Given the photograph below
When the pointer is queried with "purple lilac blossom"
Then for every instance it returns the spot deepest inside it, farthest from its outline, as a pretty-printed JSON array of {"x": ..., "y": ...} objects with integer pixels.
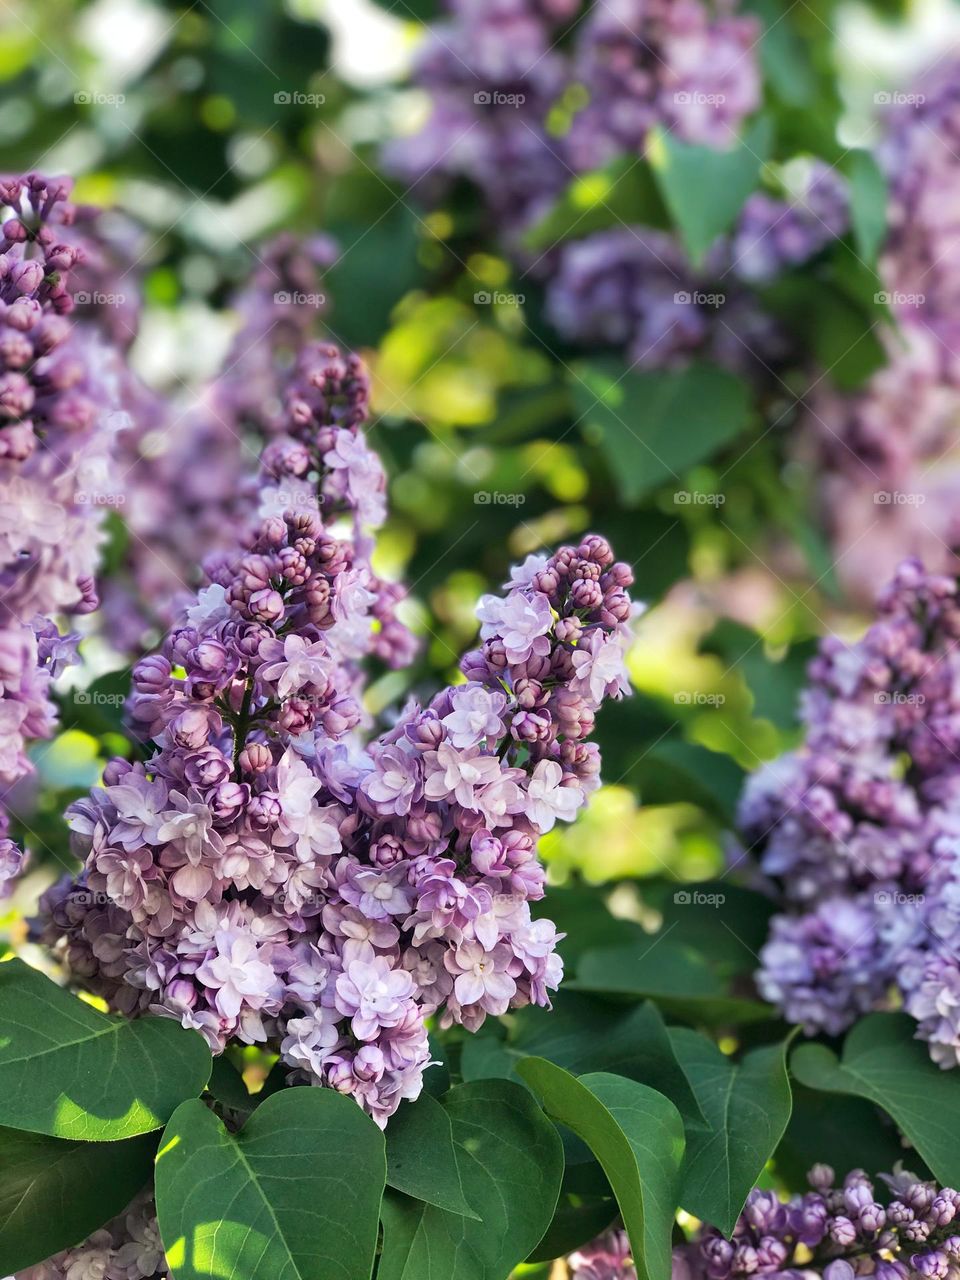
[
  {"x": 128, "y": 1248},
  {"x": 919, "y": 155},
  {"x": 672, "y": 63},
  {"x": 264, "y": 876},
  {"x": 830, "y": 1231},
  {"x": 857, "y": 828},
  {"x": 190, "y": 471},
  {"x": 773, "y": 233},
  {"x": 61, "y": 406},
  {"x": 493, "y": 73},
  {"x": 889, "y": 454}
]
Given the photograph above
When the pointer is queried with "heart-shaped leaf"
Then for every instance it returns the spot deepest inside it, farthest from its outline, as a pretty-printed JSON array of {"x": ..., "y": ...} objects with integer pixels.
[
  {"x": 580, "y": 1035},
  {"x": 882, "y": 1061},
  {"x": 294, "y": 1196},
  {"x": 637, "y": 1136},
  {"x": 54, "y": 1193},
  {"x": 71, "y": 1072},
  {"x": 653, "y": 424},
  {"x": 705, "y": 188},
  {"x": 747, "y": 1106},
  {"x": 422, "y": 1156},
  {"x": 511, "y": 1163}
]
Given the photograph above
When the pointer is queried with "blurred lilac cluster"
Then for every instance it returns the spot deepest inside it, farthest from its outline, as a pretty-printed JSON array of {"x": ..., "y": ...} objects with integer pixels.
[
  {"x": 190, "y": 470},
  {"x": 267, "y": 877},
  {"x": 128, "y": 1248},
  {"x": 62, "y": 375},
  {"x": 495, "y": 73},
  {"x": 523, "y": 99},
  {"x": 837, "y": 1232},
  {"x": 857, "y": 828},
  {"x": 891, "y": 452}
]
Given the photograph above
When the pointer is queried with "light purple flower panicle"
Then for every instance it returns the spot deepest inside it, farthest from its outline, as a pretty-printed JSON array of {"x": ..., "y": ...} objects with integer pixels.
[
  {"x": 264, "y": 876},
  {"x": 858, "y": 828}
]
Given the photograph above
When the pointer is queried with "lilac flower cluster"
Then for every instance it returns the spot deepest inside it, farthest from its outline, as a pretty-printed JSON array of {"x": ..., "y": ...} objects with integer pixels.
[
  {"x": 495, "y": 76},
  {"x": 890, "y": 453},
  {"x": 492, "y": 74},
  {"x": 674, "y": 63},
  {"x": 919, "y": 155},
  {"x": 128, "y": 1248},
  {"x": 834, "y": 1232},
  {"x": 839, "y": 1232},
  {"x": 857, "y": 828},
  {"x": 773, "y": 233},
  {"x": 518, "y": 112},
  {"x": 190, "y": 471},
  {"x": 634, "y": 287},
  {"x": 60, "y": 409},
  {"x": 266, "y": 877}
]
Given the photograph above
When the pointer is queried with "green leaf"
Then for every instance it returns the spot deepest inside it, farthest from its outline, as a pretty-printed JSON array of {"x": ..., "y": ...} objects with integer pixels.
[
  {"x": 71, "y": 1072},
  {"x": 511, "y": 1163},
  {"x": 683, "y": 981},
  {"x": 637, "y": 1136},
  {"x": 422, "y": 1156},
  {"x": 747, "y": 1105},
  {"x": 675, "y": 770},
  {"x": 581, "y": 1035},
  {"x": 703, "y": 188},
  {"x": 295, "y": 1195},
  {"x": 868, "y": 204},
  {"x": 844, "y": 1132},
  {"x": 774, "y": 682},
  {"x": 574, "y": 1225},
  {"x": 54, "y": 1193},
  {"x": 653, "y": 424},
  {"x": 882, "y": 1061},
  {"x": 227, "y": 1085},
  {"x": 622, "y": 194}
]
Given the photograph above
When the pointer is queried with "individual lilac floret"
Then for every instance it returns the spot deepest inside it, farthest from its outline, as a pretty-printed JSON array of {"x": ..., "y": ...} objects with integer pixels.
[
  {"x": 856, "y": 829},
  {"x": 263, "y": 876}
]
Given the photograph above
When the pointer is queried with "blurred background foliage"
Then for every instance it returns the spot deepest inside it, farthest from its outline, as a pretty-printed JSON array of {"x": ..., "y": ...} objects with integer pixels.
[{"x": 216, "y": 125}]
